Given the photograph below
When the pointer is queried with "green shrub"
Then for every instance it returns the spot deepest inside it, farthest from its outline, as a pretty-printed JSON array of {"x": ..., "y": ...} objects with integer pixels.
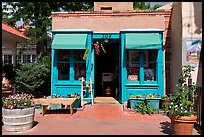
[
  {"x": 33, "y": 77},
  {"x": 144, "y": 108}
]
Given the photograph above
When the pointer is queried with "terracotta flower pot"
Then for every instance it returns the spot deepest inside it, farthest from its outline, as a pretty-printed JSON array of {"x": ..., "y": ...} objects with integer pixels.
[{"x": 183, "y": 125}]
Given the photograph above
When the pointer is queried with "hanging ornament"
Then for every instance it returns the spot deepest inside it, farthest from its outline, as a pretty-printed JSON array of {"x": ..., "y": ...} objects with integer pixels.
[
  {"x": 97, "y": 48},
  {"x": 103, "y": 48}
]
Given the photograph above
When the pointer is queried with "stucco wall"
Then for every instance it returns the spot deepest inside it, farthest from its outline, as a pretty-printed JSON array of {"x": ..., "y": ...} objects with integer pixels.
[
  {"x": 116, "y": 6},
  {"x": 109, "y": 24},
  {"x": 186, "y": 23},
  {"x": 176, "y": 47}
]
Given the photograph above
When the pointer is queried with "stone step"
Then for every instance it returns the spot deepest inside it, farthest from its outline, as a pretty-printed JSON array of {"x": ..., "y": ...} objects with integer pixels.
[{"x": 105, "y": 100}]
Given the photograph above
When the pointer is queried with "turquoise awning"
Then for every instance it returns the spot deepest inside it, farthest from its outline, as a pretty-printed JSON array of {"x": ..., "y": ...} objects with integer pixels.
[
  {"x": 69, "y": 41},
  {"x": 142, "y": 41}
]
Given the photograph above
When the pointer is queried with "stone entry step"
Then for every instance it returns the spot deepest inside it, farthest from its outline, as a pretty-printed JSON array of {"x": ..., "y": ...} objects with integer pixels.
[{"x": 105, "y": 100}]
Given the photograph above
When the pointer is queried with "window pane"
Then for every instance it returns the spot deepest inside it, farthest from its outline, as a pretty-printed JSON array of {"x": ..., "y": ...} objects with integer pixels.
[
  {"x": 63, "y": 55},
  {"x": 150, "y": 55},
  {"x": 7, "y": 59},
  {"x": 26, "y": 58},
  {"x": 63, "y": 71},
  {"x": 80, "y": 70},
  {"x": 133, "y": 65},
  {"x": 78, "y": 55},
  {"x": 133, "y": 55},
  {"x": 150, "y": 72},
  {"x": 18, "y": 58},
  {"x": 33, "y": 58},
  {"x": 132, "y": 72}
]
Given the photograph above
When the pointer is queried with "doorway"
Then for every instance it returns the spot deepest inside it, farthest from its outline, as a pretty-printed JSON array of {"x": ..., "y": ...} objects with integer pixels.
[{"x": 106, "y": 70}]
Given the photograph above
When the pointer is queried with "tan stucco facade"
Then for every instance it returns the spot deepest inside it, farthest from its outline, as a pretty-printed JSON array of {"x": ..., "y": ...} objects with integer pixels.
[
  {"x": 117, "y": 20},
  {"x": 108, "y": 24},
  {"x": 186, "y": 23}
]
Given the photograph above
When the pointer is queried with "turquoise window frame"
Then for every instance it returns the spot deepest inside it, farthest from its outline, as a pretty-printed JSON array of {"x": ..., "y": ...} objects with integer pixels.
[
  {"x": 71, "y": 67},
  {"x": 141, "y": 80}
]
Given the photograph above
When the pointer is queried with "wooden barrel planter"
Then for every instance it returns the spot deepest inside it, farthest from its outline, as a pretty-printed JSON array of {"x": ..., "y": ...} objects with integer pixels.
[{"x": 18, "y": 119}]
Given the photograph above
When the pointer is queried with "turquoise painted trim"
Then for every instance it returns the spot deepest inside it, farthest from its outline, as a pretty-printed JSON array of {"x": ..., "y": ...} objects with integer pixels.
[
  {"x": 103, "y": 35},
  {"x": 142, "y": 41},
  {"x": 71, "y": 71},
  {"x": 144, "y": 87},
  {"x": 141, "y": 66},
  {"x": 123, "y": 69},
  {"x": 69, "y": 41},
  {"x": 64, "y": 87},
  {"x": 141, "y": 85}
]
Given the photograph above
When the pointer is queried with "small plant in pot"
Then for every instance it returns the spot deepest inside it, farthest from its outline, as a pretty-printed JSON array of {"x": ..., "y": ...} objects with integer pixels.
[
  {"x": 165, "y": 99},
  {"x": 181, "y": 109},
  {"x": 153, "y": 100},
  {"x": 134, "y": 99}
]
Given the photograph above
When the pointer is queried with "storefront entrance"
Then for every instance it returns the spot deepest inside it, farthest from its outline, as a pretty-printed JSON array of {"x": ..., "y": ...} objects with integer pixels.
[{"x": 106, "y": 69}]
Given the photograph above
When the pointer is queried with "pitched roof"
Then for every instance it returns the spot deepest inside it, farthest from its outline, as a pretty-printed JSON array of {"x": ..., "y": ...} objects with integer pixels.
[{"x": 10, "y": 29}]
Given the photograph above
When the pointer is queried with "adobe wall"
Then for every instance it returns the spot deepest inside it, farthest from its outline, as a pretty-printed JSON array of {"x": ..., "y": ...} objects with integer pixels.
[
  {"x": 108, "y": 24},
  {"x": 114, "y": 22}
]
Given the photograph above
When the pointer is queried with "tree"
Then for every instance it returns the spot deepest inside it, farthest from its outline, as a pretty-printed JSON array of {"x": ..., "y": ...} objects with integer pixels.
[
  {"x": 144, "y": 6},
  {"x": 38, "y": 15},
  {"x": 141, "y": 6},
  {"x": 34, "y": 77}
]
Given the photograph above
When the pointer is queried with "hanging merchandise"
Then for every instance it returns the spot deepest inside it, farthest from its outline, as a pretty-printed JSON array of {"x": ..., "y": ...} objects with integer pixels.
[
  {"x": 97, "y": 48},
  {"x": 103, "y": 48}
]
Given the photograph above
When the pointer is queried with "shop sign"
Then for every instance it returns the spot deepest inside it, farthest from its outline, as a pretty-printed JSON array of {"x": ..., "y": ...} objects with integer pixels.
[{"x": 133, "y": 77}]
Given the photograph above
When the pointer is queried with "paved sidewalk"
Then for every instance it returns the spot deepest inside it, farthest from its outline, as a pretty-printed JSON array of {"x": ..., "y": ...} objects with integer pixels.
[{"x": 99, "y": 119}]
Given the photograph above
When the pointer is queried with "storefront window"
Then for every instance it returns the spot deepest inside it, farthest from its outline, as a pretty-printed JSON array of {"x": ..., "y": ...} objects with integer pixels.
[
  {"x": 79, "y": 64},
  {"x": 150, "y": 58},
  {"x": 133, "y": 65},
  {"x": 76, "y": 64},
  {"x": 63, "y": 64},
  {"x": 63, "y": 71},
  {"x": 137, "y": 59}
]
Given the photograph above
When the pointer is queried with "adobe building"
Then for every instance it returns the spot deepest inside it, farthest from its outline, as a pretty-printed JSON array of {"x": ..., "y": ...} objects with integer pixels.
[
  {"x": 125, "y": 50},
  {"x": 186, "y": 40}
]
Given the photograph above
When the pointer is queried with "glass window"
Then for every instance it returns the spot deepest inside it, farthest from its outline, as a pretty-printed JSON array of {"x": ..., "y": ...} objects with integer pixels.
[
  {"x": 150, "y": 72},
  {"x": 148, "y": 60},
  {"x": 63, "y": 55},
  {"x": 63, "y": 64},
  {"x": 79, "y": 64},
  {"x": 26, "y": 58},
  {"x": 63, "y": 71},
  {"x": 18, "y": 59},
  {"x": 7, "y": 59},
  {"x": 76, "y": 65},
  {"x": 33, "y": 58},
  {"x": 133, "y": 65}
]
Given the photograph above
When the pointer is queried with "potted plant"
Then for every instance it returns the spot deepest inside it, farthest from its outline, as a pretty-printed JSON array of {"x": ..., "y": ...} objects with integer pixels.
[
  {"x": 181, "y": 109},
  {"x": 134, "y": 99},
  {"x": 18, "y": 112},
  {"x": 77, "y": 103},
  {"x": 153, "y": 100},
  {"x": 164, "y": 101}
]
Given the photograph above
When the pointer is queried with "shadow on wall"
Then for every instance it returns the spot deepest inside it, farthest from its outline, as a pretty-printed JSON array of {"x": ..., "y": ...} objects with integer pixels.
[{"x": 198, "y": 16}]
